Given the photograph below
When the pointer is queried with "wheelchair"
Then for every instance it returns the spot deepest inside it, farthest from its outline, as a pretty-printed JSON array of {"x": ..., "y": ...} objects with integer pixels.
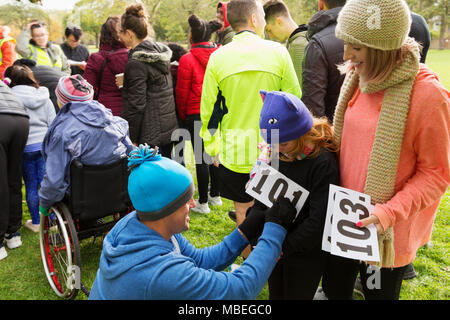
[{"x": 96, "y": 192}]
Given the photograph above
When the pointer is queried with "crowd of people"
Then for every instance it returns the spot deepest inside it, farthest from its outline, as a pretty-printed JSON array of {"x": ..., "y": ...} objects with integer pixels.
[{"x": 345, "y": 99}]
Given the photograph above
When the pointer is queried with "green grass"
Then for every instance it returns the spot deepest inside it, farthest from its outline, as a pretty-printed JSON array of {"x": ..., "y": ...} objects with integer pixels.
[
  {"x": 439, "y": 62},
  {"x": 22, "y": 276}
]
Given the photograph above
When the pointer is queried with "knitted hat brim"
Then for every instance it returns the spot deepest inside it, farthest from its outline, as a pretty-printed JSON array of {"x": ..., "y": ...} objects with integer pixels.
[
  {"x": 170, "y": 208},
  {"x": 380, "y": 45}
]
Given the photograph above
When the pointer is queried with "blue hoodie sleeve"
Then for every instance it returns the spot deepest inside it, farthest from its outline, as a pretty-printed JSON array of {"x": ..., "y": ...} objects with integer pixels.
[
  {"x": 183, "y": 279},
  {"x": 54, "y": 184},
  {"x": 216, "y": 257}
]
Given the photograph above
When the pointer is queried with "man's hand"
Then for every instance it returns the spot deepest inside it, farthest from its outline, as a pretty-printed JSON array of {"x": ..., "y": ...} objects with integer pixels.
[
  {"x": 253, "y": 225},
  {"x": 215, "y": 161},
  {"x": 282, "y": 212}
]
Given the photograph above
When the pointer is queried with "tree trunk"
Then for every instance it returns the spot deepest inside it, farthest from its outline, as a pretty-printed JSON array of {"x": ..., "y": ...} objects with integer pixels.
[{"x": 442, "y": 31}]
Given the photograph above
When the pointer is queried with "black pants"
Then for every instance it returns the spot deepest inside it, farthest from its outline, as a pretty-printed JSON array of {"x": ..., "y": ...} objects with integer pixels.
[
  {"x": 339, "y": 277},
  {"x": 13, "y": 138},
  {"x": 297, "y": 276},
  {"x": 204, "y": 169},
  {"x": 383, "y": 286}
]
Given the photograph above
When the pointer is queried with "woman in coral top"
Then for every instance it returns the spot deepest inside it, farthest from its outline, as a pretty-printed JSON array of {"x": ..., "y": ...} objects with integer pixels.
[
  {"x": 191, "y": 71},
  {"x": 392, "y": 121}
]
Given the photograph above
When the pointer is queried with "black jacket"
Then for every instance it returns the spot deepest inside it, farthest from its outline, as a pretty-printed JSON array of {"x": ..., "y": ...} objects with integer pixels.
[
  {"x": 80, "y": 53},
  {"x": 315, "y": 175},
  {"x": 322, "y": 80},
  {"x": 420, "y": 32},
  {"x": 148, "y": 102}
]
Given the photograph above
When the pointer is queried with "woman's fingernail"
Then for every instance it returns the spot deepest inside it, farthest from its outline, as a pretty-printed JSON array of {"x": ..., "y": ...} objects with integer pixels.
[{"x": 359, "y": 224}]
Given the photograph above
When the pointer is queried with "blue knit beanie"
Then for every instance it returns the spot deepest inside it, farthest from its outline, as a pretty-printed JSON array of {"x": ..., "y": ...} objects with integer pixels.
[
  {"x": 286, "y": 113},
  {"x": 157, "y": 186}
]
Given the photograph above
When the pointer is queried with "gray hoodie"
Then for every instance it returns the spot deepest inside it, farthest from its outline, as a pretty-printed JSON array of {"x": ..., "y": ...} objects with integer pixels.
[{"x": 40, "y": 109}]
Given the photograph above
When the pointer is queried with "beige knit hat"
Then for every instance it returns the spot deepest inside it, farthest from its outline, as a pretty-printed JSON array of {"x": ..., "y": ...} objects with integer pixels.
[{"x": 379, "y": 24}]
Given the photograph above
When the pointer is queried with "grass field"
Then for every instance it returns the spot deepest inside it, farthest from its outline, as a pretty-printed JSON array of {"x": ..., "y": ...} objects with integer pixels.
[{"x": 22, "y": 275}]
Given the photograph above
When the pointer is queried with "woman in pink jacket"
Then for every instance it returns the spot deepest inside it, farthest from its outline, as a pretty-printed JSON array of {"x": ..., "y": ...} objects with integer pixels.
[
  {"x": 191, "y": 71},
  {"x": 103, "y": 66},
  {"x": 392, "y": 122}
]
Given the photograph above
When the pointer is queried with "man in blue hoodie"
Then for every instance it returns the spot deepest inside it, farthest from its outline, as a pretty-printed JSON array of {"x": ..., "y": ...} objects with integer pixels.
[
  {"x": 145, "y": 256},
  {"x": 83, "y": 129}
]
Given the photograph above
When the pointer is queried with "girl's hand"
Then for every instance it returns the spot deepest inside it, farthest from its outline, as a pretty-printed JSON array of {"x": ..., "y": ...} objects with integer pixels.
[{"x": 373, "y": 219}]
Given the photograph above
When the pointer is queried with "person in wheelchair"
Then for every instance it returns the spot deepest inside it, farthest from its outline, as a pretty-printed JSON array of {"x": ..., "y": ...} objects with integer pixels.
[
  {"x": 83, "y": 129},
  {"x": 145, "y": 256}
]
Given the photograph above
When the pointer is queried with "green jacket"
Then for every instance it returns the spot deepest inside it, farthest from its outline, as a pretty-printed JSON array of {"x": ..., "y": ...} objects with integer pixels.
[
  {"x": 231, "y": 101},
  {"x": 296, "y": 46},
  {"x": 225, "y": 37}
]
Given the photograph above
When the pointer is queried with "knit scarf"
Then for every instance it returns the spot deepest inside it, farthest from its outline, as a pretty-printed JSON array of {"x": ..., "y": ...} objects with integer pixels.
[{"x": 385, "y": 154}]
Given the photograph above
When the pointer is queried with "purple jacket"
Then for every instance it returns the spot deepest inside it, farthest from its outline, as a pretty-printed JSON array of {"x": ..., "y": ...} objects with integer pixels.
[
  {"x": 86, "y": 131},
  {"x": 110, "y": 95}
]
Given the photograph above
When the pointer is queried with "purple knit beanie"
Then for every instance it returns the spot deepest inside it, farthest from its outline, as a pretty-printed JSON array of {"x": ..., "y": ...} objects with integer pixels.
[
  {"x": 286, "y": 113},
  {"x": 73, "y": 89}
]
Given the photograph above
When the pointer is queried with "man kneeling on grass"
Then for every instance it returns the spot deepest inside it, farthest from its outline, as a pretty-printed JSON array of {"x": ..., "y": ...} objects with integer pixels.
[{"x": 145, "y": 256}]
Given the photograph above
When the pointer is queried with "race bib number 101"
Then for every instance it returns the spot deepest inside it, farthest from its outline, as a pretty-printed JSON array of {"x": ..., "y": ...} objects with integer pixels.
[{"x": 268, "y": 185}]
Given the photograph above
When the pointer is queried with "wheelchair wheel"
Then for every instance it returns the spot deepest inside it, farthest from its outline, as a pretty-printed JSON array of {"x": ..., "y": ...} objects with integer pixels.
[{"x": 60, "y": 252}]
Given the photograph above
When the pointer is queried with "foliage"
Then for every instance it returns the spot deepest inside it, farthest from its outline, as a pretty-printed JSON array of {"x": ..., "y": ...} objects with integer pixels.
[
  {"x": 433, "y": 8},
  {"x": 19, "y": 15},
  {"x": 90, "y": 15},
  {"x": 169, "y": 18}
]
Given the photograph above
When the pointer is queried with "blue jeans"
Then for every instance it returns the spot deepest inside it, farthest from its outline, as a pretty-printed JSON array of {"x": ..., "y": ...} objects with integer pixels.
[{"x": 33, "y": 169}]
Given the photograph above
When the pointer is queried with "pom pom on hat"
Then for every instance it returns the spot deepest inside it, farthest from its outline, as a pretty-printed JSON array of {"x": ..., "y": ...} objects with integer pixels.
[
  {"x": 286, "y": 113},
  {"x": 379, "y": 24},
  {"x": 73, "y": 89},
  {"x": 157, "y": 186}
]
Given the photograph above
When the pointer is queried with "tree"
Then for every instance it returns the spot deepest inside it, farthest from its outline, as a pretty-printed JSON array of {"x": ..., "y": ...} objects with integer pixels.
[
  {"x": 19, "y": 15},
  {"x": 32, "y": 1},
  {"x": 430, "y": 9},
  {"x": 91, "y": 15}
]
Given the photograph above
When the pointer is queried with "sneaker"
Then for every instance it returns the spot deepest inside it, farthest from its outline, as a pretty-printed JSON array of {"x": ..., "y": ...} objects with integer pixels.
[
  {"x": 428, "y": 245},
  {"x": 3, "y": 253},
  {"x": 232, "y": 215},
  {"x": 13, "y": 240},
  {"x": 409, "y": 272},
  {"x": 320, "y": 294},
  {"x": 214, "y": 201},
  {"x": 201, "y": 207},
  {"x": 33, "y": 227}
]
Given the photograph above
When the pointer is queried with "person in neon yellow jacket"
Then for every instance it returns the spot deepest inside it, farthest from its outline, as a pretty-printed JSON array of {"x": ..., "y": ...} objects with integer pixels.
[
  {"x": 231, "y": 103},
  {"x": 39, "y": 49}
]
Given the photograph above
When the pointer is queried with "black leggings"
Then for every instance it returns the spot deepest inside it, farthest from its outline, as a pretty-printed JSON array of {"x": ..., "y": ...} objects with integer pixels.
[
  {"x": 385, "y": 285},
  {"x": 204, "y": 170},
  {"x": 297, "y": 277},
  {"x": 13, "y": 138},
  {"x": 340, "y": 276}
]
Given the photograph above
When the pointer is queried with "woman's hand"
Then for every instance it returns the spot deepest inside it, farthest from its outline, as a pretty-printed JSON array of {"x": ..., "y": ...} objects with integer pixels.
[{"x": 373, "y": 219}]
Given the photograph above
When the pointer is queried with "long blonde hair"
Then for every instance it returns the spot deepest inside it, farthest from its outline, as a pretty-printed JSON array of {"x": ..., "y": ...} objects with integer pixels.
[
  {"x": 380, "y": 63},
  {"x": 321, "y": 136}
]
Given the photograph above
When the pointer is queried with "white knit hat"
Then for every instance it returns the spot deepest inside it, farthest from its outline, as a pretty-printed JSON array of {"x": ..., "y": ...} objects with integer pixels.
[{"x": 379, "y": 24}]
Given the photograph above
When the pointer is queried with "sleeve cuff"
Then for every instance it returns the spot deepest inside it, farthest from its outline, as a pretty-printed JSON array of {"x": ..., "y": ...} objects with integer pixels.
[{"x": 383, "y": 216}]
